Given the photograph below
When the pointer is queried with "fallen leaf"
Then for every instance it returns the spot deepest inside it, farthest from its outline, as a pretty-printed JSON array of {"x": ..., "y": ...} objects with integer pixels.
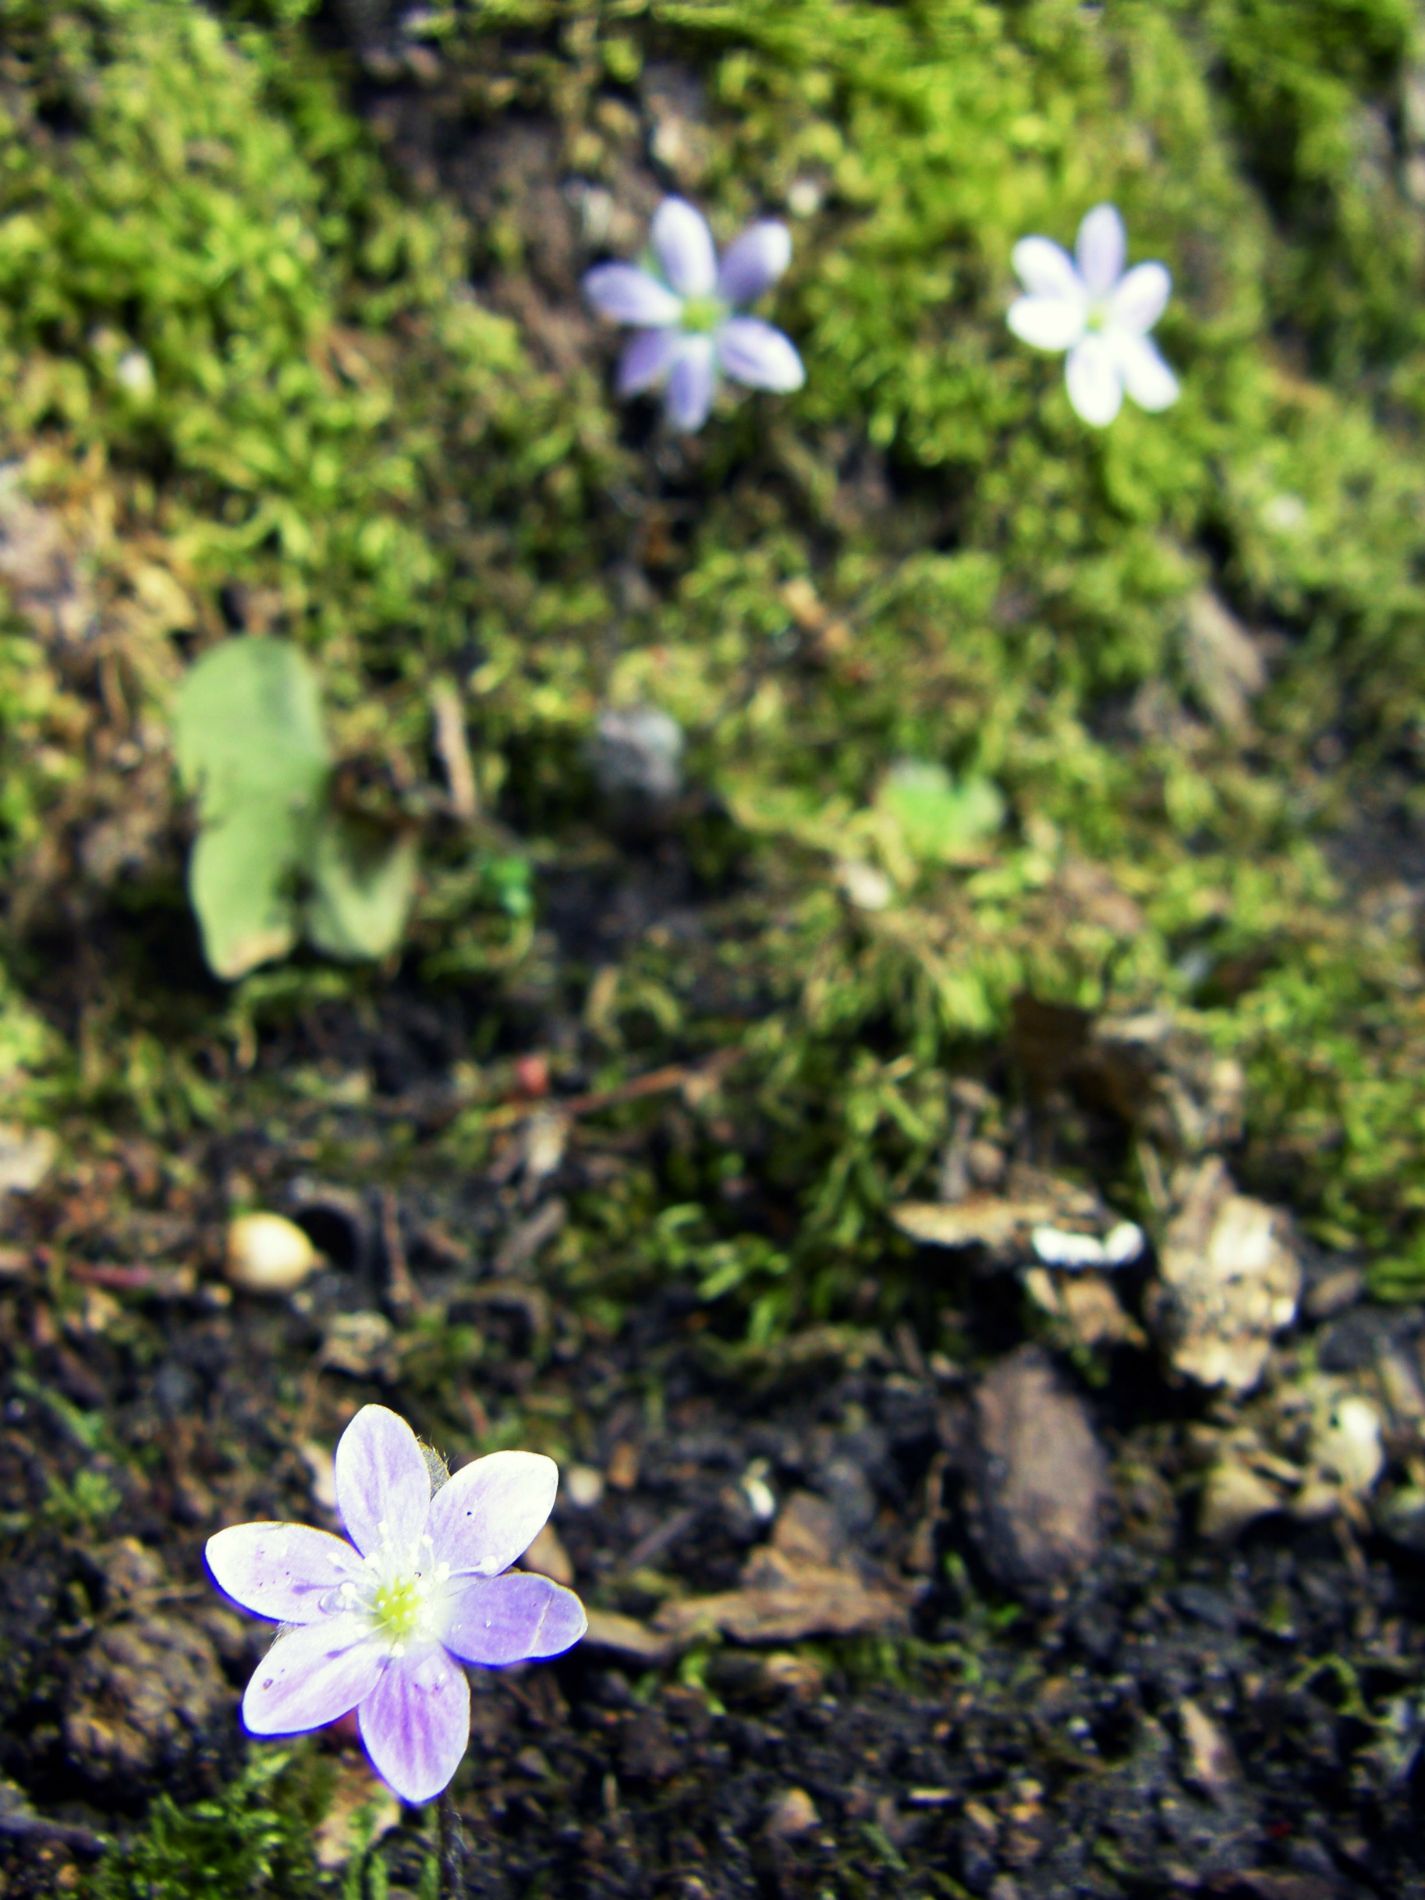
[{"x": 782, "y": 1600}]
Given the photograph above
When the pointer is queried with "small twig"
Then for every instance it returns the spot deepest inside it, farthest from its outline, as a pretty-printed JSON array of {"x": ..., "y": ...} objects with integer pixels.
[
  {"x": 450, "y": 1836},
  {"x": 168, "y": 1283},
  {"x": 453, "y": 751},
  {"x": 79, "y": 1840},
  {"x": 401, "y": 1289},
  {"x": 695, "y": 1077}
]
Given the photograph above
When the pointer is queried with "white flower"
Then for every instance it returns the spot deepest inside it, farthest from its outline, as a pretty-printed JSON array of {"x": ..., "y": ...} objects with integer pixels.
[
  {"x": 1101, "y": 315},
  {"x": 684, "y": 306}
]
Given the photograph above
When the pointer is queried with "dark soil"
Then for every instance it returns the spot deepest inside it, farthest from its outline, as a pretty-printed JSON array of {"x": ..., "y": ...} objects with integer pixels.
[{"x": 1170, "y": 1718}]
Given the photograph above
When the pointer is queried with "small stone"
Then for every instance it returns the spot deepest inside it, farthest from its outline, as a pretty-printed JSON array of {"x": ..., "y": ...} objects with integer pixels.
[
  {"x": 1348, "y": 1447},
  {"x": 637, "y": 756},
  {"x": 269, "y": 1254},
  {"x": 1040, "y": 1479},
  {"x": 583, "y": 1486},
  {"x": 1233, "y": 1497},
  {"x": 792, "y": 1813}
]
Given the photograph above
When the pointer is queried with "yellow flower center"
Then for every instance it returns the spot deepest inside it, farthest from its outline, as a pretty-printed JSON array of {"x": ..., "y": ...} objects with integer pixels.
[
  {"x": 702, "y": 315},
  {"x": 397, "y": 1606}
]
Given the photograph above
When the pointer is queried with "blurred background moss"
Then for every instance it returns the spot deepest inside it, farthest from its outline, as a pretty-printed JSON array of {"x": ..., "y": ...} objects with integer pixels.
[{"x": 291, "y": 343}]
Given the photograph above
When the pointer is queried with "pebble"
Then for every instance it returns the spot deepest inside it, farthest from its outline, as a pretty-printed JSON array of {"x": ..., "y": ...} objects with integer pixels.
[
  {"x": 792, "y": 1813},
  {"x": 268, "y": 1254},
  {"x": 637, "y": 755},
  {"x": 583, "y": 1486},
  {"x": 1039, "y": 1477}
]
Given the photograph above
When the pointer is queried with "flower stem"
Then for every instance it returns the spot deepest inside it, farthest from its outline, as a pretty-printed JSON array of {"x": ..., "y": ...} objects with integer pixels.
[{"x": 450, "y": 1839}]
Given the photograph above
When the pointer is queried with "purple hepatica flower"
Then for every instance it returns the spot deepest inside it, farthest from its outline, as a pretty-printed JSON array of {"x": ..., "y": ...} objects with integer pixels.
[
  {"x": 384, "y": 1627},
  {"x": 684, "y": 305},
  {"x": 1089, "y": 306}
]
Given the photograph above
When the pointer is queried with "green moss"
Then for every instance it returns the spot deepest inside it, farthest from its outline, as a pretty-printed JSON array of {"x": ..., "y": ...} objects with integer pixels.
[
  {"x": 249, "y": 375},
  {"x": 251, "y": 1842}
]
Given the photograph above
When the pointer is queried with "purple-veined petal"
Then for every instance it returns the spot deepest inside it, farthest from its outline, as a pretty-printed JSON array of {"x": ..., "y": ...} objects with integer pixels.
[
  {"x": 1146, "y": 377},
  {"x": 754, "y": 261},
  {"x": 313, "y": 1675},
  {"x": 515, "y": 1618},
  {"x": 683, "y": 245},
  {"x": 491, "y": 1511},
  {"x": 416, "y": 1723},
  {"x": 1140, "y": 298},
  {"x": 692, "y": 380},
  {"x": 645, "y": 360},
  {"x": 625, "y": 294},
  {"x": 1048, "y": 323},
  {"x": 382, "y": 1484},
  {"x": 280, "y": 1570},
  {"x": 1046, "y": 269},
  {"x": 1094, "y": 384},
  {"x": 1100, "y": 249},
  {"x": 754, "y": 353}
]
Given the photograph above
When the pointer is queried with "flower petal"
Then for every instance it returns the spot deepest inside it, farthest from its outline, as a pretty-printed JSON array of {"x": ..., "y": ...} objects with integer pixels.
[
  {"x": 691, "y": 383},
  {"x": 754, "y": 261},
  {"x": 515, "y": 1618},
  {"x": 1140, "y": 298},
  {"x": 280, "y": 1570},
  {"x": 416, "y": 1723},
  {"x": 1146, "y": 377},
  {"x": 683, "y": 246},
  {"x": 645, "y": 360},
  {"x": 754, "y": 353},
  {"x": 1049, "y": 323},
  {"x": 382, "y": 1484},
  {"x": 491, "y": 1511},
  {"x": 625, "y": 294},
  {"x": 1095, "y": 386},
  {"x": 312, "y": 1675},
  {"x": 1046, "y": 269},
  {"x": 1100, "y": 249}
]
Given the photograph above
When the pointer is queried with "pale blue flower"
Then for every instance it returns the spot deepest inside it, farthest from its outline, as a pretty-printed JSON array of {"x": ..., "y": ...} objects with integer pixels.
[
  {"x": 1101, "y": 315},
  {"x": 384, "y": 1623},
  {"x": 685, "y": 306}
]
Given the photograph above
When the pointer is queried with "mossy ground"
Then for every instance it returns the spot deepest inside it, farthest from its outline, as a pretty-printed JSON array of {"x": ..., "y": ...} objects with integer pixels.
[{"x": 291, "y": 342}]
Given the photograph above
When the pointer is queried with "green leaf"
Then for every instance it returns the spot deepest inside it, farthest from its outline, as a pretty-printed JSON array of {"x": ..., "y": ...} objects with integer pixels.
[
  {"x": 248, "y": 724},
  {"x": 242, "y": 879},
  {"x": 362, "y": 885},
  {"x": 939, "y": 819},
  {"x": 250, "y": 746}
]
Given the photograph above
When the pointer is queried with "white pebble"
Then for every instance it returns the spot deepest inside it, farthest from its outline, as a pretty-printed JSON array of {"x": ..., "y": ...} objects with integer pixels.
[{"x": 267, "y": 1254}]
